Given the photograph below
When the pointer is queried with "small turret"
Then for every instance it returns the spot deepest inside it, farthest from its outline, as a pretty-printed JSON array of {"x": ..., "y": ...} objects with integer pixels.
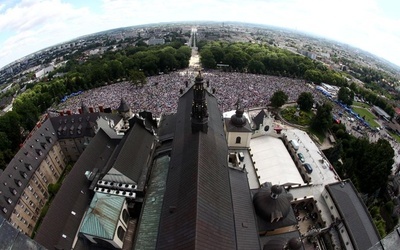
[{"x": 199, "y": 113}]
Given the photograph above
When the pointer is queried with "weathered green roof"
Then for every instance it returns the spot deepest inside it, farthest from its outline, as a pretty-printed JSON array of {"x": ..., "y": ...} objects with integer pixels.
[
  {"x": 148, "y": 225},
  {"x": 102, "y": 216}
]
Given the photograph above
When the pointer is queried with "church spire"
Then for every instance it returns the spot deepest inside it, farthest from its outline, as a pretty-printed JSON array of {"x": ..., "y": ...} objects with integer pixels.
[
  {"x": 84, "y": 108},
  {"x": 199, "y": 106}
]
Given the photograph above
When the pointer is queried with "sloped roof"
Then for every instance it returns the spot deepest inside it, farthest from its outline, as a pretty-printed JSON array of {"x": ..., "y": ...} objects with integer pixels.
[
  {"x": 79, "y": 125},
  {"x": 12, "y": 238},
  {"x": 123, "y": 107},
  {"x": 135, "y": 154},
  {"x": 74, "y": 195},
  {"x": 353, "y": 211},
  {"x": 245, "y": 221},
  {"x": 21, "y": 168},
  {"x": 102, "y": 217},
  {"x": 197, "y": 211},
  {"x": 259, "y": 119}
]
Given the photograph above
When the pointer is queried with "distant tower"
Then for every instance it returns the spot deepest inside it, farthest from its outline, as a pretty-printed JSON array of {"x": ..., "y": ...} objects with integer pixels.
[
  {"x": 237, "y": 129},
  {"x": 124, "y": 109},
  {"x": 199, "y": 113},
  {"x": 84, "y": 108}
]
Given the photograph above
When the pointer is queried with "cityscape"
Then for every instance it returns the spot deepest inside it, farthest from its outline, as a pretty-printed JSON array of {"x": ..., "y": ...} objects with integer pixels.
[{"x": 200, "y": 135}]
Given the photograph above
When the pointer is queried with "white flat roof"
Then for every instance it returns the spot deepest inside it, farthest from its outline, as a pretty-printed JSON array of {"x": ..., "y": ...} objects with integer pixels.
[{"x": 273, "y": 161}]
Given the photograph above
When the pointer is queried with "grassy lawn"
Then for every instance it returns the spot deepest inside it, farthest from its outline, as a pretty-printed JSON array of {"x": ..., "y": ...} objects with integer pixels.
[
  {"x": 361, "y": 104},
  {"x": 369, "y": 117},
  {"x": 303, "y": 118}
]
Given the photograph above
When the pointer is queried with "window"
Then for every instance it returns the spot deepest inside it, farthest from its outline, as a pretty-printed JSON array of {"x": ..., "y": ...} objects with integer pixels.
[
  {"x": 121, "y": 233},
  {"x": 238, "y": 139},
  {"x": 125, "y": 216}
]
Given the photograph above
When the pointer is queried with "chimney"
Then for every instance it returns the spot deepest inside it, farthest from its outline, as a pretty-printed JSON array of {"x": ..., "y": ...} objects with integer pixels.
[
  {"x": 101, "y": 108},
  {"x": 69, "y": 112},
  {"x": 91, "y": 110}
]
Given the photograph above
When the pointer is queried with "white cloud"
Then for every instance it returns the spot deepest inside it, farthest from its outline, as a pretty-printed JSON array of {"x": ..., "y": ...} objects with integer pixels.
[{"x": 46, "y": 22}]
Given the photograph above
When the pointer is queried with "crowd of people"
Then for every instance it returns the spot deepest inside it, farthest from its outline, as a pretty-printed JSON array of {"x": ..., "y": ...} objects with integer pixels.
[{"x": 160, "y": 94}]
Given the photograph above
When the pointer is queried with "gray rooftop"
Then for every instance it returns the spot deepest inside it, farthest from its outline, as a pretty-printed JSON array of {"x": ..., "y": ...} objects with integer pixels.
[
  {"x": 13, "y": 239},
  {"x": 197, "y": 212},
  {"x": 356, "y": 217},
  {"x": 21, "y": 168},
  {"x": 135, "y": 155},
  {"x": 245, "y": 220},
  {"x": 74, "y": 195}
]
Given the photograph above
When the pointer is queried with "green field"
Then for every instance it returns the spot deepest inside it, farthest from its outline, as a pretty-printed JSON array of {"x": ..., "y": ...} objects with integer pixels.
[
  {"x": 303, "y": 118},
  {"x": 369, "y": 117}
]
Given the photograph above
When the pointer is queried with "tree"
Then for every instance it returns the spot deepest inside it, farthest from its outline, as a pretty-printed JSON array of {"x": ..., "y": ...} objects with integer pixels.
[
  {"x": 373, "y": 174},
  {"x": 278, "y": 99},
  {"x": 322, "y": 121},
  {"x": 207, "y": 59},
  {"x": 137, "y": 77},
  {"x": 305, "y": 101},
  {"x": 256, "y": 66},
  {"x": 346, "y": 96}
]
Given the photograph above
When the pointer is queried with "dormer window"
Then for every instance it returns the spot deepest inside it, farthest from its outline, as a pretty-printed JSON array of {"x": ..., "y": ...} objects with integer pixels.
[
  {"x": 4, "y": 210},
  {"x": 28, "y": 166},
  {"x": 9, "y": 201},
  {"x": 18, "y": 182},
  {"x": 13, "y": 191},
  {"x": 39, "y": 152},
  {"x": 23, "y": 174}
]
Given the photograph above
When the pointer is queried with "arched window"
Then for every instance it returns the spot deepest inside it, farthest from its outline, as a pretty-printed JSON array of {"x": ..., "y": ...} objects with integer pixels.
[
  {"x": 125, "y": 216},
  {"x": 238, "y": 139},
  {"x": 121, "y": 233}
]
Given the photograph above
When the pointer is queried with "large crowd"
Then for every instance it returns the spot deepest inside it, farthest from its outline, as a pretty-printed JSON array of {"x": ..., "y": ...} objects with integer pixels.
[{"x": 160, "y": 94}]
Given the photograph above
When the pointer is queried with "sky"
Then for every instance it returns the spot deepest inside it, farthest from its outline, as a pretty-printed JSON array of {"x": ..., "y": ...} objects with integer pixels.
[{"x": 27, "y": 26}]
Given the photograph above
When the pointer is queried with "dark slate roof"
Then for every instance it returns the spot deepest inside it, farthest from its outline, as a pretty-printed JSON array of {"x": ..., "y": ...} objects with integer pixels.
[
  {"x": 74, "y": 196},
  {"x": 166, "y": 129},
  {"x": 135, "y": 156},
  {"x": 259, "y": 119},
  {"x": 21, "y": 168},
  {"x": 197, "y": 212},
  {"x": 79, "y": 125},
  {"x": 245, "y": 222},
  {"x": 355, "y": 214},
  {"x": 123, "y": 107},
  {"x": 84, "y": 108},
  {"x": 13, "y": 239},
  {"x": 230, "y": 127}
]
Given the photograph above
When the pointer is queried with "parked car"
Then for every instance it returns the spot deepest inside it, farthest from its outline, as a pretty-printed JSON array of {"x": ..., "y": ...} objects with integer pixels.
[
  {"x": 301, "y": 157},
  {"x": 308, "y": 168}
]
